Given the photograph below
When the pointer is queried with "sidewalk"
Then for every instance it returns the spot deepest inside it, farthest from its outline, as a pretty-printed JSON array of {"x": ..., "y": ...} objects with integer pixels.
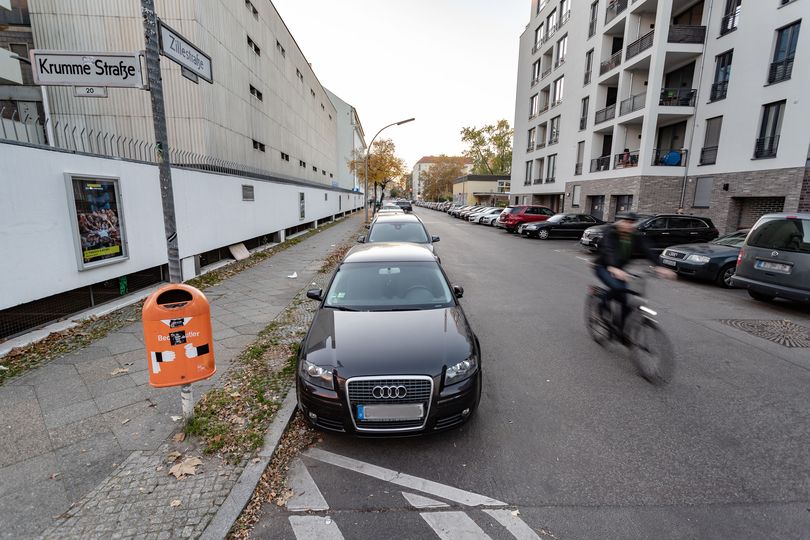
[{"x": 73, "y": 425}]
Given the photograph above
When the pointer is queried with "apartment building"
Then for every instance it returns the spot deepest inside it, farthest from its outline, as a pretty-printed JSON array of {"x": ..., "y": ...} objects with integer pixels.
[
  {"x": 351, "y": 143},
  {"x": 655, "y": 105},
  {"x": 426, "y": 162}
]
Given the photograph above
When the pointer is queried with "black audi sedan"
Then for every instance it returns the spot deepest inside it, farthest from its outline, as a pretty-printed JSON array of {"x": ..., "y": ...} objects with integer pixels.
[
  {"x": 712, "y": 261},
  {"x": 390, "y": 350},
  {"x": 560, "y": 226}
]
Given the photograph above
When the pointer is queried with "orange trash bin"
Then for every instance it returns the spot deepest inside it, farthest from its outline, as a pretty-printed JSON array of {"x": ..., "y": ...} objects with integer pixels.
[{"x": 178, "y": 337}]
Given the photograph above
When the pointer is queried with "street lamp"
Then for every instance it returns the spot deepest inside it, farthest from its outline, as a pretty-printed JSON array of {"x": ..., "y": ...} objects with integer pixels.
[
  {"x": 45, "y": 106},
  {"x": 368, "y": 151}
]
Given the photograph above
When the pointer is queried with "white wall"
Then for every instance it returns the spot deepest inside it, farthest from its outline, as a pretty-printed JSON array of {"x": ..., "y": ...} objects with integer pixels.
[{"x": 36, "y": 237}]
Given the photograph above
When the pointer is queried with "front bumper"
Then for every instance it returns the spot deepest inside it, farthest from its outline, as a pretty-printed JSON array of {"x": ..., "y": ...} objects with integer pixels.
[
  {"x": 450, "y": 406},
  {"x": 707, "y": 271}
]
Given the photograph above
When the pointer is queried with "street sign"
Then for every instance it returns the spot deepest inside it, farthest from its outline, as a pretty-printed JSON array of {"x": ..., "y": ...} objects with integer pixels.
[
  {"x": 177, "y": 48},
  {"x": 90, "y": 91},
  {"x": 78, "y": 68}
]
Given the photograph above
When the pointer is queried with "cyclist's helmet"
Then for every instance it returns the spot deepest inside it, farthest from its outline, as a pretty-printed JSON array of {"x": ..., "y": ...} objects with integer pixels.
[{"x": 628, "y": 216}]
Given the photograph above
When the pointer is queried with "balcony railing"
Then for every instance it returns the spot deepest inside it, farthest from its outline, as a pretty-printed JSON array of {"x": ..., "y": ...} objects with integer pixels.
[
  {"x": 626, "y": 160},
  {"x": 583, "y": 122},
  {"x": 587, "y": 79},
  {"x": 633, "y": 103},
  {"x": 678, "y": 97},
  {"x": 544, "y": 108},
  {"x": 602, "y": 163},
  {"x": 766, "y": 147},
  {"x": 541, "y": 144},
  {"x": 556, "y": 102},
  {"x": 564, "y": 18},
  {"x": 708, "y": 155},
  {"x": 535, "y": 81},
  {"x": 554, "y": 139},
  {"x": 669, "y": 157},
  {"x": 537, "y": 181},
  {"x": 605, "y": 114},
  {"x": 559, "y": 62},
  {"x": 536, "y": 46},
  {"x": 551, "y": 31},
  {"x": 611, "y": 62},
  {"x": 614, "y": 9},
  {"x": 680, "y": 33},
  {"x": 718, "y": 91},
  {"x": 591, "y": 28},
  {"x": 530, "y": 148},
  {"x": 640, "y": 45},
  {"x": 546, "y": 72},
  {"x": 780, "y": 70},
  {"x": 551, "y": 179},
  {"x": 578, "y": 169},
  {"x": 729, "y": 23}
]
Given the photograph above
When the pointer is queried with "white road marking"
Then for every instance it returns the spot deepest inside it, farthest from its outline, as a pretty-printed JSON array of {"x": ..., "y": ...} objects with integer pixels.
[
  {"x": 306, "y": 495},
  {"x": 454, "y": 526},
  {"x": 405, "y": 480},
  {"x": 583, "y": 258},
  {"x": 315, "y": 528},
  {"x": 417, "y": 501},
  {"x": 513, "y": 524}
]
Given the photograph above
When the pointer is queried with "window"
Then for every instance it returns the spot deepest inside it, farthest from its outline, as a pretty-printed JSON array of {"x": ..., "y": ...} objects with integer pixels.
[
  {"x": 782, "y": 234},
  {"x": 708, "y": 155},
  {"x": 533, "y": 106},
  {"x": 551, "y": 23},
  {"x": 592, "y": 24},
  {"x": 532, "y": 141},
  {"x": 703, "y": 193},
  {"x": 540, "y": 5},
  {"x": 247, "y": 193},
  {"x": 785, "y": 51},
  {"x": 301, "y": 205},
  {"x": 565, "y": 8},
  {"x": 255, "y": 93},
  {"x": 311, "y": 91},
  {"x": 551, "y": 169},
  {"x": 253, "y": 46},
  {"x": 580, "y": 157},
  {"x": 323, "y": 172},
  {"x": 731, "y": 16},
  {"x": 258, "y": 146},
  {"x": 562, "y": 50},
  {"x": 557, "y": 91},
  {"x": 768, "y": 140},
  {"x": 314, "y": 168},
  {"x": 657, "y": 224},
  {"x": 583, "y": 113},
  {"x": 299, "y": 74},
  {"x": 588, "y": 66},
  {"x": 527, "y": 179},
  {"x": 535, "y": 72},
  {"x": 722, "y": 73},
  {"x": 538, "y": 166},
  {"x": 280, "y": 49},
  {"x": 554, "y": 135},
  {"x": 322, "y": 107},
  {"x": 576, "y": 196},
  {"x": 252, "y": 8},
  {"x": 538, "y": 36},
  {"x": 302, "y": 163}
]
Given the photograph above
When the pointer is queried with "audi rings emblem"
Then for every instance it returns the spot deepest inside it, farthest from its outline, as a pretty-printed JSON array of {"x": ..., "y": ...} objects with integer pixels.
[{"x": 389, "y": 392}]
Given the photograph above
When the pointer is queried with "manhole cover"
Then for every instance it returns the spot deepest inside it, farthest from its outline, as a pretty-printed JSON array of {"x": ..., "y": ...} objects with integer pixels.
[{"x": 785, "y": 333}]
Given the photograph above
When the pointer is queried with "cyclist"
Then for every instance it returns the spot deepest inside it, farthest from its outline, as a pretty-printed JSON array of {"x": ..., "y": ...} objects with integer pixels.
[{"x": 621, "y": 244}]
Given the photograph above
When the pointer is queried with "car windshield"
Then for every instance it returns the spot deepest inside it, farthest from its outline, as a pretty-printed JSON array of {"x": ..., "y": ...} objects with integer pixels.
[
  {"x": 389, "y": 286},
  {"x": 735, "y": 239},
  {"x": 555, "y": 219},
  {"x": 512, "y": 210},
  {"x": 402, "y": 203},
  {"x": 398, "y": 232},
  {"x": 781, "y": 233}
]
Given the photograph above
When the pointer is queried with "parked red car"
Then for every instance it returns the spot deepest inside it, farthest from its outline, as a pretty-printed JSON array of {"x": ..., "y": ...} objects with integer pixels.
[{"x": 517, "y": 214}]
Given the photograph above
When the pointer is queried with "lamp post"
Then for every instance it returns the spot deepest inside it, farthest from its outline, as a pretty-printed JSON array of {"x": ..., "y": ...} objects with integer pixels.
[{"x": 368, "y": 151}]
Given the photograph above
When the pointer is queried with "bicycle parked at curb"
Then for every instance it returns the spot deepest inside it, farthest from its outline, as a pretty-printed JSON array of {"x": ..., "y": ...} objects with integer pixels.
[{"x": 650, "y": 348}]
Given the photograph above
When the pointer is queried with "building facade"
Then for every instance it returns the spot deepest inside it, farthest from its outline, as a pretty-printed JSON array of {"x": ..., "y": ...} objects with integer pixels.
[
  {"x": 483, "y": 189},
  {"x": 655, "y": 105},
  {"x": 425, "y": 163},
  {"x": 351, "y": 143}
]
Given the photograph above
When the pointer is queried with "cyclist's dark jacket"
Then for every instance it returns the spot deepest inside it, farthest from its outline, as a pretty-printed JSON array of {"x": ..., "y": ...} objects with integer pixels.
[{"x": 611, "y": 253}]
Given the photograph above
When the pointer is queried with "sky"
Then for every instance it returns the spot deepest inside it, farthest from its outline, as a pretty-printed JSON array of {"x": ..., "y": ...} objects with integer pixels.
[{"x": 448, "y": 63}]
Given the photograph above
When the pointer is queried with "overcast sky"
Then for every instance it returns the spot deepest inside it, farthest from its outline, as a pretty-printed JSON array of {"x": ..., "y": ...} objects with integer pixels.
[{"x": 449, "y": 63}]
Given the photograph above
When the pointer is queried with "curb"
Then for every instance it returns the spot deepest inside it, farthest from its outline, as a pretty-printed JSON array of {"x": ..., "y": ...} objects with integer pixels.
[{"x": 242, "y": 491}]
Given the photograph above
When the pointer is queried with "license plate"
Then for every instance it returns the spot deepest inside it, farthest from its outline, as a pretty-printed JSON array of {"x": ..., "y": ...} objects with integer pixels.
[
  {"x": 585, "y": 241},
  {"x": 393, "y": 412},
  {"x": 669, "y": 262},
  {"x": 772, "y": 266}
]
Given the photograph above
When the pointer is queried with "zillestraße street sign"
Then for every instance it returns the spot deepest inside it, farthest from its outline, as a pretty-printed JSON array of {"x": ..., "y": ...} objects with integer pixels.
[
  {"x": 177, "y": 48},
  {"x": 77, "y": 68}
]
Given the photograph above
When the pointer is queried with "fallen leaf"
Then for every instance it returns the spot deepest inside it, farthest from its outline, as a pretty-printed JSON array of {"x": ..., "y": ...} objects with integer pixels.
[
  {"x": 185, "y": 468},
  {"x": 256, "y": 460},
  {"x": 125, "y": 421},
  {"x": 179, "y": 437},
  {"x": 235, "y": 394},
  {"x": 119, "y": 371},
  {"x": 175, "y": 503},
  {"x": 176, "y": 418},
  {"x": 172, "y": 456},
  {"x": 515, "y": 512},
  {"x": 238, "y": 420}
]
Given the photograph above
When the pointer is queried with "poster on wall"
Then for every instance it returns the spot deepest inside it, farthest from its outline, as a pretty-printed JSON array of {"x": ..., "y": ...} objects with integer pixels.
[{"x": 98, "y": 223}]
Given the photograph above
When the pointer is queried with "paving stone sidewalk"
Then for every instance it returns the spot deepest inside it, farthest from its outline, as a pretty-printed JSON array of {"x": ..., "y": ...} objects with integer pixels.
[{"x": 71, "y": 428}]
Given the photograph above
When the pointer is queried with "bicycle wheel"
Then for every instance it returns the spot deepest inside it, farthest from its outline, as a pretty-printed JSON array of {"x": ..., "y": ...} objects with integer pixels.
[
  {"x": 651, "y": 350},
  {"x": 597, "y": 326}
]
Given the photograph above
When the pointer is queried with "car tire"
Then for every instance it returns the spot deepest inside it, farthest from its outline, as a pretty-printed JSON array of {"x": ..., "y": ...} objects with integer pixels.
[
  {"x": 761, "y": 297},
  {"x": 543, "y": 234},
  {"x": 724, "y": 276}
]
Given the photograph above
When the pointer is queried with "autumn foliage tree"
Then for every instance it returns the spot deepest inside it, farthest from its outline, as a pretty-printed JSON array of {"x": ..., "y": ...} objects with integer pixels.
[
  {"x": 490, "y": 147},
  {"x": 437, "y": 181},
  {"x": 384, "y": 166}
]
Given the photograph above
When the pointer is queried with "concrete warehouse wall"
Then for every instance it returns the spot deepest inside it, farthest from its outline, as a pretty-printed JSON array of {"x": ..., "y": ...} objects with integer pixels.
[{"x": 36, "y": 236}]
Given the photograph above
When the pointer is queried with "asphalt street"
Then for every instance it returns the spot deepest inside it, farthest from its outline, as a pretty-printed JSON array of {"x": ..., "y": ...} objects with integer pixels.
[{"x": 569, "y": 437}]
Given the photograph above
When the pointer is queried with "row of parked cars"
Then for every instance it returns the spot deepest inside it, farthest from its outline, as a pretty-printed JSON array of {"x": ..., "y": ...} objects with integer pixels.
[{"x": 770, "y": 260}]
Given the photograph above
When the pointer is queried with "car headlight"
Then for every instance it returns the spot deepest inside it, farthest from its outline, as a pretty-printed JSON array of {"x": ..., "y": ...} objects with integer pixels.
[
  {"x": 317, "y": 375},
  {"x": 462, "y": 370},
  {"x": 700, "y": 259}
]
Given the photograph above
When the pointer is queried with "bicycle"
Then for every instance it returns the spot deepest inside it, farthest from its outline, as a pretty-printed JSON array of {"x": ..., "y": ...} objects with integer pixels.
[{"x": 651, "y": 350}]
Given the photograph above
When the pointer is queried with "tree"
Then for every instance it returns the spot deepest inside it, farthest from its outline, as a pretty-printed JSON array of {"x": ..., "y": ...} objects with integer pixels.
[
  {"x": 437, "y": 181},
  {"x": 384, "y": 167},
  {"x": 490, "y": 147}
]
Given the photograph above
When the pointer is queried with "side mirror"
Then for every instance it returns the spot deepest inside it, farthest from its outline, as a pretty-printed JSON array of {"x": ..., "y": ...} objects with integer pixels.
[
  {"x": 315, "y": 294},
  {"x": 434, "y": 238},
  {"x": 458, "y": 290},
  {"x": 361, "y": 239}
]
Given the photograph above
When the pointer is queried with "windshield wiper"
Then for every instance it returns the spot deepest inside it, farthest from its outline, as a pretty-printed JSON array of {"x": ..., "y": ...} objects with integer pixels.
[
  {"x": 402, "y": 309},
  {"x": 342, "y": 308}
]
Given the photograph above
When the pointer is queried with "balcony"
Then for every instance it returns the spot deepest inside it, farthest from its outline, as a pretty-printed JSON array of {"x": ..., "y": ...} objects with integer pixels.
[
  {"x": 583, "y": 123},
  {"x": 718, "y": 91},
  {"x": 633, "y": 103},
  {"x": 766, "y": 147},
  {"x": 729, "y": 23},
  {"x": 780, "y": 70},
  {"x": 578, "y": 169},
  {"x": 610, "y": 63},
  {"x": 602, "y": 163},
  {"x": 686, "y": 34},
  {"x": 708, "y": 155},
  {"x": 677, "y": 97},
  {"x": 625, "y": 160},
  {"x": 669, "y": 158},
  {"x": 605, "y": 114},
  {"x": 614, "y": 9},
  {"x": 640, "y": 45}
]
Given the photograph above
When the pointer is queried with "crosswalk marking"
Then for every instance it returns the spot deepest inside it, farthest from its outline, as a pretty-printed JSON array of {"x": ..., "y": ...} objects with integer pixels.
[
  {"x": 315, "y": 528},
  {"x": 405, "y": 480},
  {"x": 417, "y": 501},
  {"x": 306, "y": 495},
  {"x": 454, "y": 526},
  {"x": 513, "y": 524}
]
